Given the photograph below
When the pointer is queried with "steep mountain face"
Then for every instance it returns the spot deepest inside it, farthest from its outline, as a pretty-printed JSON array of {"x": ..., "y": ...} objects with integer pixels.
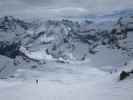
[{"x": 65, "y": 40}]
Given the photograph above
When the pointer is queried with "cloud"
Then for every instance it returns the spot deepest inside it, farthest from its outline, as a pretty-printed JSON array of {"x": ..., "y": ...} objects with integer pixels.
[
  {"x": 61, "y": 7},
  {"x": 79, "y": 3}
]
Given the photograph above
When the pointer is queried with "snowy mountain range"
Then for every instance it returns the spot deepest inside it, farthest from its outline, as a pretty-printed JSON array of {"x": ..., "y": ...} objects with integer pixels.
[{"x": 67, "y": 41}]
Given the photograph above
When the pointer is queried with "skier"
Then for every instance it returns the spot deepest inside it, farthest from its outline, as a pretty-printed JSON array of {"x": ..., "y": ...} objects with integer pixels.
[{"x": 36, "y": 81}]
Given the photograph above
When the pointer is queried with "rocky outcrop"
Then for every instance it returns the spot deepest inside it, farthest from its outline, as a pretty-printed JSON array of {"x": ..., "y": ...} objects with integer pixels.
[
  {"x": 125, "y": 74},
  {"x": 10, "y": 50}
]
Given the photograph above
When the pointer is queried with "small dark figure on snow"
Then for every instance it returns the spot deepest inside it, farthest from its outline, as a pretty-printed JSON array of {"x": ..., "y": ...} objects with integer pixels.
[{"x": 36, "y": 81}]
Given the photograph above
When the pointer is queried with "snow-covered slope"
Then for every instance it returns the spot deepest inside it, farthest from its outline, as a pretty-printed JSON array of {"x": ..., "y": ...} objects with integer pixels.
[{"x": 83, "y": 85}]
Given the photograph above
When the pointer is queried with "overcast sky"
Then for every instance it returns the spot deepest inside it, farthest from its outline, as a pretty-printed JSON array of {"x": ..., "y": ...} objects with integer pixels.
[{"x": 61, "y": 7}]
